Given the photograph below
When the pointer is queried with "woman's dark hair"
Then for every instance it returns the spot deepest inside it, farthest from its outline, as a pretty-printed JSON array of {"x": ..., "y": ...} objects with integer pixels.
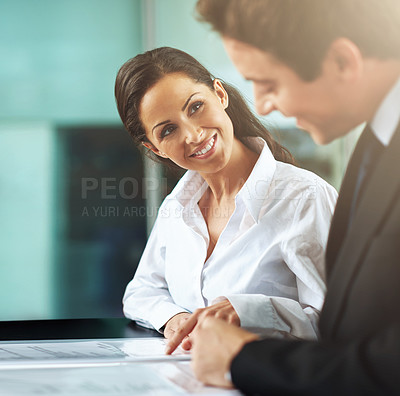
[{"x": 143, "y": 71}]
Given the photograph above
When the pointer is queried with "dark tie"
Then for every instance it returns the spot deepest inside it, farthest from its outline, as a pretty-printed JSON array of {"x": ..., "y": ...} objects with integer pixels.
[{"x": 373, "y": 150}]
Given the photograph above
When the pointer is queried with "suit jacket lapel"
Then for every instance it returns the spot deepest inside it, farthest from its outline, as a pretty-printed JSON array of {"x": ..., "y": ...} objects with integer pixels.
[
  {"x": 340, "y": 218},
  {"x": 374, "y": 205}
]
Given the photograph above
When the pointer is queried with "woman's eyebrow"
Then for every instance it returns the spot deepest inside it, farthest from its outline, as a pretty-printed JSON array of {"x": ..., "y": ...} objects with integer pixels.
[
  {"x": 183, "y": 109},
  {"x": 161, "y": 123},
  {"x": 188, "y": 100}
]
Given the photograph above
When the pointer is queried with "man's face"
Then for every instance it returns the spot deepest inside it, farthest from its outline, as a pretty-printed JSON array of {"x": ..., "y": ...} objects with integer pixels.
[{"x": 323, "y": 107}]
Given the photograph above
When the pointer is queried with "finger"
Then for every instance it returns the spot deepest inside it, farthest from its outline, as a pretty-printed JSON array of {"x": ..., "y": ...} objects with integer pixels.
[
  {"x": 210, "y": 312},
  {"x": 180, "y": 334},
  {"x": 228, "y": 314},
  {"x": 225, "y": 313},
  {"x": 234, "y": 319},
  {"x": 186, "y": 344},
  {"x": 231, "y": 319},
  {"x": 168, "y": 334},
  {"x": 221, "y": 315}
]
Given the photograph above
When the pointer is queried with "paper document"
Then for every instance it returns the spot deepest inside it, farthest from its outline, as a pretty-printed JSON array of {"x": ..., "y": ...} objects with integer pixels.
[
  {"x": 126, "y": 366},
  {"x": 85, "y": 352},
  {"x": 130, "y": 379},
  {"x": 121, "y": 379},
  {"x": 181, "y": 374}
]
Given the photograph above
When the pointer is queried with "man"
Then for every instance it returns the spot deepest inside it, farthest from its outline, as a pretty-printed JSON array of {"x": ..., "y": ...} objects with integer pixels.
[{"x": 332, "y": 64}]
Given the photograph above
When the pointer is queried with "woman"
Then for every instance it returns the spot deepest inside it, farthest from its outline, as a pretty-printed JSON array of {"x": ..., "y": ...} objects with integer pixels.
[{"x": 243, "y": 232}]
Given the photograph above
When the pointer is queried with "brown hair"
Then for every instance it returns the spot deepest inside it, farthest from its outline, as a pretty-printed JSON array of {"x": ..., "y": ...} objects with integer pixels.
[
  {"x": 140, "y": 73},
  {"x": 299, "y": 32}
]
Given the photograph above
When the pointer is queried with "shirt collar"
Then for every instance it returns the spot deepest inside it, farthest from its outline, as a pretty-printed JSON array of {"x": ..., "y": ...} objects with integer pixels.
[
  {"x": 192, "y": 186},
  {"x": 256, "y": 187},
  {"x": 387, "y": 117},
  {"x": 189, "y": 189}
]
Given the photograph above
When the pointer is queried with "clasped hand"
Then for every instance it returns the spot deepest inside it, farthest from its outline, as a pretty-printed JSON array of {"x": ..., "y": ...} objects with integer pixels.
[{"x": 179, "y": 327}]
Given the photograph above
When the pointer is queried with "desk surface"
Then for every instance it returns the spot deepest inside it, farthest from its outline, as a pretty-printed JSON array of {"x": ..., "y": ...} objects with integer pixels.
[
  {"x": 143, "y": 379},
  {"x": 73, "y": 329}
]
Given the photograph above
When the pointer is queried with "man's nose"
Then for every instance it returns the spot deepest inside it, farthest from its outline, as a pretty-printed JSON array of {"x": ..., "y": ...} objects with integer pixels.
[
  {"x": 264, "y": 107},
  {"x": 263, "y": 102}
]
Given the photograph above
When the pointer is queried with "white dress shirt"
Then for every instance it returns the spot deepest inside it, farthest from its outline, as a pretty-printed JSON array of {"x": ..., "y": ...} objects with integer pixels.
[
  {"x": 268, "y": 261},
  {"x": 387, "y": 117}
]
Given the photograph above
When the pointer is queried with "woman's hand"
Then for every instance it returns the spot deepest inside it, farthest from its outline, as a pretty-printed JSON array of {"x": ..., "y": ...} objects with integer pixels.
[
  {"x": 222, "y": 310},
  {"x": 175, "y": 323}
]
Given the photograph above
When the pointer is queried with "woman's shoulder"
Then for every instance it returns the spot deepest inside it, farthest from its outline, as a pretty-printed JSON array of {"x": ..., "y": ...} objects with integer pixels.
[{"x": 295, "y": 178}]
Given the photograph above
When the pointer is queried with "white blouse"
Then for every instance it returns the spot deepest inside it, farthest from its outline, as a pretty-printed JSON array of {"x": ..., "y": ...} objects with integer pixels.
[{"x": 268, "y": 261}]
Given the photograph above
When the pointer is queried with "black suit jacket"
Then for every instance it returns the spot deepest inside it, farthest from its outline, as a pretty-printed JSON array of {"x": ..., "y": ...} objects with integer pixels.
[{"x": 359, "y": 350}]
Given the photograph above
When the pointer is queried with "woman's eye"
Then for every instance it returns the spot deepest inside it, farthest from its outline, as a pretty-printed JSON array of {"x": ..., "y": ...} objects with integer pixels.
[
  {"x": 195, "y": 106},
  {"x": 167, "y": 131}
]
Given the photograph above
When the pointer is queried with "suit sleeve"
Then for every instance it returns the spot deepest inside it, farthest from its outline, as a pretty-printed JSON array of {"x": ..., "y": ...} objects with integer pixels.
[{"x": 366, "y": 366}]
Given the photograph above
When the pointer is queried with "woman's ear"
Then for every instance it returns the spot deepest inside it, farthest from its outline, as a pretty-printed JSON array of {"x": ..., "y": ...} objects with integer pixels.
[
  {"x": 221, "y": 93},
  {"x": 345, "y": 60},
  {"x": 154, "y": 149}
]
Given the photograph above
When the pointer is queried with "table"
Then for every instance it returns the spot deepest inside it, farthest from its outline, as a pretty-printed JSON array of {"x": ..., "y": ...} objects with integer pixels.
[
  {"x": 73, "y": 329},
  {"x": 164, "y": 377}
]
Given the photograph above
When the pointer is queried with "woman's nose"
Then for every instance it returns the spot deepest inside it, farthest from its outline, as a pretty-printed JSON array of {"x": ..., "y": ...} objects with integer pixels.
[{"x": 194, "y": 135}]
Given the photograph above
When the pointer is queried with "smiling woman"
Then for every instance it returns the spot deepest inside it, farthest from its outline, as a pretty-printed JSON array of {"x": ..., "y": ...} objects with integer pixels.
[
  {"x": 243, "y": 233},
  {"x": 194, "y": 126}
]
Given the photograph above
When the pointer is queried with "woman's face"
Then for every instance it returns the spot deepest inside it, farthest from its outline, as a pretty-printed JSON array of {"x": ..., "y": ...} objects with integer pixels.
[{"x": 186, "y": 122}]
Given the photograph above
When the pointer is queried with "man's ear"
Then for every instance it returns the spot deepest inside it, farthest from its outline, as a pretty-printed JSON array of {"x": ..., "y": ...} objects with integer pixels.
[
  {"x": 154, "y": 149},
  {"x": 221, "y": 93},
  {"x": 345, "y": 60}
]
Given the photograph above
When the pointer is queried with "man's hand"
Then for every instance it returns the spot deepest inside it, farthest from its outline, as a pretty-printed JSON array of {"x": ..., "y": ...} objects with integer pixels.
[
  {"x": 215, "y": 344},
  {"x": 222, "y": 310},
  {"x": 175, "y": 323}
]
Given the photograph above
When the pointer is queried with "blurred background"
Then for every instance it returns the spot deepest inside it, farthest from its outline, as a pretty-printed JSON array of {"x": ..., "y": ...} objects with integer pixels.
[{"x": 77, "y": 200}]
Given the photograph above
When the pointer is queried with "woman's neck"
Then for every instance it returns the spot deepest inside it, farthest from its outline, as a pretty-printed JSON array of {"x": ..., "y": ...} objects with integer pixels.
[{"x": 226, "y": 183}]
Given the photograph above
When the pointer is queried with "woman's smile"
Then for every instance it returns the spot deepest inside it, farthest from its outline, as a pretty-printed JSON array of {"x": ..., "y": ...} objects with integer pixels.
[
  {"x": 207, "y": 149},
  {"x": 186, "y": 122}
]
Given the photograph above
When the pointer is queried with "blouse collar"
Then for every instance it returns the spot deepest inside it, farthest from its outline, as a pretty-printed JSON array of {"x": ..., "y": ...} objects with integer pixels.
[{"x": 192, "y": 186}]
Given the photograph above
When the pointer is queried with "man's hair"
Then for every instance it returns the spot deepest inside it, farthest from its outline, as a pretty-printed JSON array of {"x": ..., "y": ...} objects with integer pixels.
[{"x": 299, "y": 32}]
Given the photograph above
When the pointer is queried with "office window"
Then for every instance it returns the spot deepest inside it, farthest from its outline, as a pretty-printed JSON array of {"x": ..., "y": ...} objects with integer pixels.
[
  {"x": 58, "y": 122},
  {"x": 68, "y": 243}
]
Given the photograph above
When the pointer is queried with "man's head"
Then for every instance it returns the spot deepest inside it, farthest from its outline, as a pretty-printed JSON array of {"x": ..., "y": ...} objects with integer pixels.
[{"x": 327, "y": 63}]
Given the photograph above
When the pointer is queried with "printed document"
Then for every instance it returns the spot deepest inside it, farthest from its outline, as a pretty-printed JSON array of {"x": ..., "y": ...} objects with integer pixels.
[
  {"x": 115, "y": 367},
  {"x": 77, "y": 352}
]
